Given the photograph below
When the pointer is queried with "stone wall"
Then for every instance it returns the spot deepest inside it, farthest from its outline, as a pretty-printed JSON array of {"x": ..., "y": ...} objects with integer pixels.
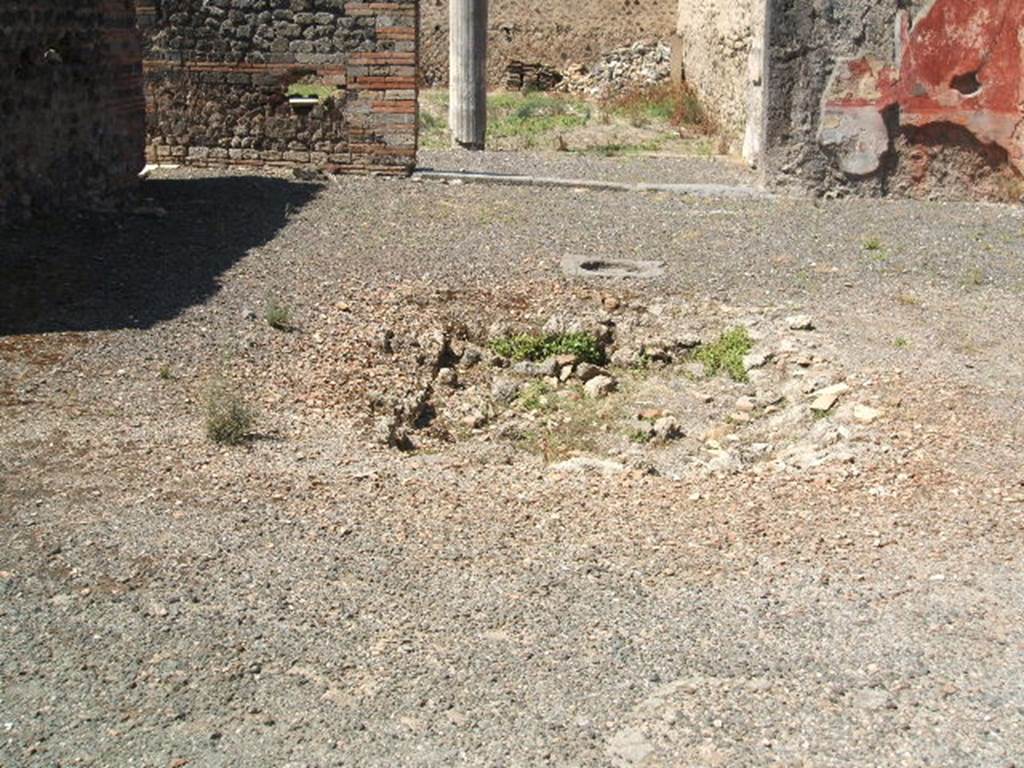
[
  {"x": 915, "y": 97},
  {"x": 325, "y": 83},
  {"x": 544, "y": 32},
  {"x": 720, "y": 44},
  {"x": 71, "y": 107}
]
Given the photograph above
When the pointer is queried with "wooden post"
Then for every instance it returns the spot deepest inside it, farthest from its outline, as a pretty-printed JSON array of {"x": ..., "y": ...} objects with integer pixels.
[{"x": 467, "y": 77}]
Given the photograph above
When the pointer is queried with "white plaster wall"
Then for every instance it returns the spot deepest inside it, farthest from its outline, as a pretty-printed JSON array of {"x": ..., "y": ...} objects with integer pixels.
[{"x": 721, "y": 43}]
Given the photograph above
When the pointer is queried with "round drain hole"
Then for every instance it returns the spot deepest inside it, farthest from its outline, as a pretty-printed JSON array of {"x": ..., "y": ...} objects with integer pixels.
[
  {"x": 582, "y": 266},
  {"x": 597, "y": 267}
]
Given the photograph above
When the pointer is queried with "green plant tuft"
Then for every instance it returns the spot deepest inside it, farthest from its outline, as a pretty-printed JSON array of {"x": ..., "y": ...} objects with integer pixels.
[
  {"x": 319, "y": 91},
  {"x": 277, "y": 315},
  {"x": 726, "y": 354},
  {"x": 228, "y": 419},
  {"x": 536, "y": 396},
  {"x": 530, "y": 347},
  {"x": 641, "y": 436}
]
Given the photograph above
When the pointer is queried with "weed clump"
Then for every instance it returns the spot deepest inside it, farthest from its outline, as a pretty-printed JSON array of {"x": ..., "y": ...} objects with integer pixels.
[
  {"x": 536, "y": 397},
  {"x": 530, "y": 347},
  {"x": 228, "y": 419},
  {"x": 678, "y": 105},
  {"x": 974, "y": 278},
  {"x": 641, "y": 436},
  {"x": 726, "y": 354},
  {"x": 277, "y": 315}
]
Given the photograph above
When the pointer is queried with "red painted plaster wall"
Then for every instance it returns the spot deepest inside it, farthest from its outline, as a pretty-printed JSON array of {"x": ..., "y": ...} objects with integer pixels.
[{"x": 961, "y": 64}]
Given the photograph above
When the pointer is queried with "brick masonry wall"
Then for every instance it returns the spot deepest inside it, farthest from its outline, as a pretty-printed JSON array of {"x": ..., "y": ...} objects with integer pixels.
[
  {"x": 71, "y": 105},
  {"x": 551, "y": 33},
  {"x": 218, "y": 77}
]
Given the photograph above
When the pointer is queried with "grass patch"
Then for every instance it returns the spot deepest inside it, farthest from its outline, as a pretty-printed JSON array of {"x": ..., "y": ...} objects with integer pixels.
[
  {"x": 277, "y": 315},
  {"x": 228, "y": 419},
  {"x": 677, "y": 105},
  {"x": 432, "y": 125},
  {"x": 165, "y": 372},
  {"x": 528, "y": 117},
  {"x": 312, "y": 91},
  {"x": 641, "y": 436},
  {"x": 539, "y": 120},
  {"x": 536, "y": 396},
  {"x": 625, "y": 150},
  {"x": 875, "y": 248},
  {"x": 900, "y": 343},
  {"x": 726, "y": 354},
  {"x": 433, "y": 119},
  {"x": 530, "y": 347}
]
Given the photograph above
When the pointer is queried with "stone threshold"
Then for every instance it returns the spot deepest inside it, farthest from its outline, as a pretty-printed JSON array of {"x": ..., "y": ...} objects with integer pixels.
[{"x": 692, "y": 190}]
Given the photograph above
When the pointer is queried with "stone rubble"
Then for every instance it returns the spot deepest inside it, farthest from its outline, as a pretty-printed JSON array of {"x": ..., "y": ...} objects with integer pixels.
[
  {"x": 865, "y": 414},
  {"x": 590, "y": 465},
  {"x": 599, "y": 386},
  {"x": 785, "y": 414},
  {"x": 800, "y": 323},
  {"x": 630, "y": 68},
  {"x": 667, "y": 428}
]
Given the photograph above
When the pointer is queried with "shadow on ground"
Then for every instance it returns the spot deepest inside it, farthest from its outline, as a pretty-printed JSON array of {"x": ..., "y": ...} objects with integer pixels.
[{"x": 100, "y": 271}]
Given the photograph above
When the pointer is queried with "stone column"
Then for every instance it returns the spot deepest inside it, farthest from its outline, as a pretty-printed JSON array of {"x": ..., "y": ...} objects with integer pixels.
[{"x": 467, "y": 84}]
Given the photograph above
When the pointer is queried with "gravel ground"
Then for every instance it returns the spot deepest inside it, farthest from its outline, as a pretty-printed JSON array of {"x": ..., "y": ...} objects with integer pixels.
[
  {"x": 313, "y": 598},
  {"x": 662, "y": 169}
]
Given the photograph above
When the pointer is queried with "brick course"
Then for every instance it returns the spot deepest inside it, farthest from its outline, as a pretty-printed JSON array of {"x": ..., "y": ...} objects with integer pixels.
[{"x": 218, "y": 77}]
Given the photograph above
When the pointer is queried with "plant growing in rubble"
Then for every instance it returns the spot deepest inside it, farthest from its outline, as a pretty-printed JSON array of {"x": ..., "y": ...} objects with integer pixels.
[
  {"x": 277, "y": 315},
  {"x": 536, "y": 396},
  {"x": 726, "y": 354},
  {"x": 875, "y": 247},
  {"x": 641, "y": 436},
  {"x": 530, "y": 347},
  {"x": 228, "y": 419}
]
